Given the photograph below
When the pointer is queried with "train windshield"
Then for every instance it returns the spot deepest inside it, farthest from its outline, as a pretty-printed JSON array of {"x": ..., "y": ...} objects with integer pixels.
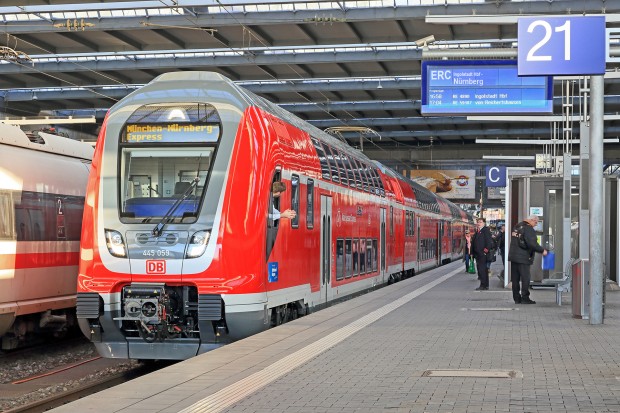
[{"x": 164, "y": 149}]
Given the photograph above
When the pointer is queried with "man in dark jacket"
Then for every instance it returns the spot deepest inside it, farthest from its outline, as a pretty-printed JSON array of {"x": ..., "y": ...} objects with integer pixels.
[
  {"x": 523, "y": 246},
  {"x": 481, "y": 245}
]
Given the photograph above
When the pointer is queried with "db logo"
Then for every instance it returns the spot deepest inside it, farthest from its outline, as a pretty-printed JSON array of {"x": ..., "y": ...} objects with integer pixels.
[{"x": 155, "y": 266}]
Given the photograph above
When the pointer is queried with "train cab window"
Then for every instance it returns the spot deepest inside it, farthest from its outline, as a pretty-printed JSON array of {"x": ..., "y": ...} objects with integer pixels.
[
  {"x": 348, "y": 258},
  {"x": 310, "y": 204},
  {"x": 356, "y": 270},
  {"x": 375, "y": 254},
  {"x": 320, "y": 153},
  {"x": 369, "y": 256},
  {"x": 166, "y": 153},
  {"x": 7, "y": 218},
  {"x": 295, "y": 200},
  {"x": 331, "y": 160},
  {"x": 339, "y": 259}
]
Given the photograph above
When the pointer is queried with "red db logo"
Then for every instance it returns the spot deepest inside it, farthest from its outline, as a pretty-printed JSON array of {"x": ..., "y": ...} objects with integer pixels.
[{"x": 155, "y": 266}]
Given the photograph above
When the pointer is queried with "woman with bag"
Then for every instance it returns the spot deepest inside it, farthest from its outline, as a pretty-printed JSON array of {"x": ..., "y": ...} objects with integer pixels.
[{"x": 465, "y": 248}]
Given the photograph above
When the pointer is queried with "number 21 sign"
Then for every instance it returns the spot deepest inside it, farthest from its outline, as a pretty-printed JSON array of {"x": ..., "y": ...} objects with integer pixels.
[{"x": 561, "y": 45}]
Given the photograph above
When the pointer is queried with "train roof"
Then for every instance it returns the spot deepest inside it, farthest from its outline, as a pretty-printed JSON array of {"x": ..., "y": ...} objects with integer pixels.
[{"x": 45, "y": 142}]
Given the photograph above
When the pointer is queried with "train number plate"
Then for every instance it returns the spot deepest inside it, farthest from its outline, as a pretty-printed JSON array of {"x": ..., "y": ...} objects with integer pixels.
[{"x": 155, "y": 266}]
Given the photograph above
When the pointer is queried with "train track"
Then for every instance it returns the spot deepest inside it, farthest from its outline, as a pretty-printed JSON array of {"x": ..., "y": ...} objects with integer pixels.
[{"x": 85, "y": 390}]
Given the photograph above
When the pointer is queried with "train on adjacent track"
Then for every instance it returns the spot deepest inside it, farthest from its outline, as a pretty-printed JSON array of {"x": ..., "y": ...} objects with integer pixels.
[
  {"x": 179, "y": 251},
  {"x": 42, "y": 187}
]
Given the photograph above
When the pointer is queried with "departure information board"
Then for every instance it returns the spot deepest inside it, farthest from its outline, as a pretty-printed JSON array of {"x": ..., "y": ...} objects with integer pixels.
[{"x": 482, "y": 87}]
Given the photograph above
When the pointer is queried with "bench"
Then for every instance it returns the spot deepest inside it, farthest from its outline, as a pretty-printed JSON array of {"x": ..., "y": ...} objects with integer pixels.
[{"x": 561, "y": 281}]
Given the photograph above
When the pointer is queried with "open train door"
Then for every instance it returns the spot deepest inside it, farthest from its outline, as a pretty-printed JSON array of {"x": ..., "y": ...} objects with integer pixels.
[
  {"x": 382, "y": 267},
  {"x": 326, "y": 248}
]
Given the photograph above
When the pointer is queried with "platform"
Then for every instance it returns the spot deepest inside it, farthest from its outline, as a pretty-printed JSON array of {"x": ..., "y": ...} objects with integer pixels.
[{"x": 427, "y": 344}]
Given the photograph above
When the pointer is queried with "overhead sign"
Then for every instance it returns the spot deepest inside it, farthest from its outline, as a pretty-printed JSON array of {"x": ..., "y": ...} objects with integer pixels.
[
  {"x": 561, "y": 45},
  {"x": 482, "y": 87},
  {"x": 496, "y": 176}
]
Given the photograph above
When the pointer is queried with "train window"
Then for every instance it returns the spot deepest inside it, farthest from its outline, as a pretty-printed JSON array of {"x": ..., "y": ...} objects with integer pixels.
[
  {"x": 363, "y": 260},
  {"x": 295, "y": 200},
  {"x": 375, "y": 254},
  {"x": 325, "y": 172},
  {"x": 339, "y": 259},
  {"x": 331, "y": 160},
  {"x": 310, "y": 204},
  {"x": 340, "y": 159},
  {"x": 152, "y": 180},
  {"x": 364, "y": 174},
  {"x": 355, "y": 257},
  {"x": 348, "y": 259},
  {"x": 7, "y": 218},
  {"x": 357, "y": 167},
  {"x": 391, "y": 221},
  {"x": 377, "y": 181},
  {"x": 349, "y": 168},
  {"x": 369, "y": 256}
]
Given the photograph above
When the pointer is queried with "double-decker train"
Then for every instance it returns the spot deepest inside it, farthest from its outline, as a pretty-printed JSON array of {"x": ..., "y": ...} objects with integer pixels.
[
  {"x": 179, "y": 251},
  {"x": 42, "y": 187}
]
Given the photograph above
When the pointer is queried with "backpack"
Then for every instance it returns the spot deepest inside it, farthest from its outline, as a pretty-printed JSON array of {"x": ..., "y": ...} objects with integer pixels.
[{"x": 518, "y": 232}]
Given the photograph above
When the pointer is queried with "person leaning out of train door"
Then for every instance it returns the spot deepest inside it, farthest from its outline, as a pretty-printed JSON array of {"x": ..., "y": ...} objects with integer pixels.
[
  {"x": 276, "y": 189},
  {"x": 466, "y": 248},
  {"x": 523, "y": 247},
  {"x": 481, "y": 245}
]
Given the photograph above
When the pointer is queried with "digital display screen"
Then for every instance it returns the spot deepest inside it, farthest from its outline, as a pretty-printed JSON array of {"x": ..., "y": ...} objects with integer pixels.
[
  {"x": 482, "y": 87},
  {"x": 171, "y": 133}
]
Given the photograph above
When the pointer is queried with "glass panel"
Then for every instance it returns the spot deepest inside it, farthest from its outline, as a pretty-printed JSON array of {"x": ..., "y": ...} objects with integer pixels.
[
  {"x": 332, "y": 163},
  {"x": 295, "y": 200},
  {"x": 374, "y": 254},
  {"x": 325, "y": 172},
  {"x": 310, "y": 204},
  {"x": 355, "y": 257},
  {"x": 348, "y": 259},
  {"x": 339, "y": 259},
  {"x": 152, "y": 180},
  {"x": 7, "y": 223},
  {"x": 340, "y": 159},
  {"x": 362, "y": 260},
  {"x": 370, "y": 257}
]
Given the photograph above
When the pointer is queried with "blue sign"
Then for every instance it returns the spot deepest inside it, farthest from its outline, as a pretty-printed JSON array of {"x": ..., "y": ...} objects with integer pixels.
[
  {"x": 482, "y": 87},
  {"x": 272, "y": 267},
  {"x": 566, "y": 45},
  {"x": 496, "y": 176}
]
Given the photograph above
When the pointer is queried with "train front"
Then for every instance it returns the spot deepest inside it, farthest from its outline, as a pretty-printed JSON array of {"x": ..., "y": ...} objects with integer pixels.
[{"x": 151, "y": 283}]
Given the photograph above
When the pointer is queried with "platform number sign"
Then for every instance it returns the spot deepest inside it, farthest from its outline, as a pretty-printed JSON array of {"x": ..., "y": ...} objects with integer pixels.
[{"x": 561, "y": 45}]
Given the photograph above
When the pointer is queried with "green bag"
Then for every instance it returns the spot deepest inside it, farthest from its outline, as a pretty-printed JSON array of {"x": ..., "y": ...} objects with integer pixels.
[{"x": 471, "y": 269}]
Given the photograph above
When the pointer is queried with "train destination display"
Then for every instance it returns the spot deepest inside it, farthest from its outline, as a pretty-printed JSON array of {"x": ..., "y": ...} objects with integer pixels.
[{"x": 479, "y": 87}]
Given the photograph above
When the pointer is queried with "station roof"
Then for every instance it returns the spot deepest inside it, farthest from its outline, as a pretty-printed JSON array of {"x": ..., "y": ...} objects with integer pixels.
[{"x": 332, "y": 63}]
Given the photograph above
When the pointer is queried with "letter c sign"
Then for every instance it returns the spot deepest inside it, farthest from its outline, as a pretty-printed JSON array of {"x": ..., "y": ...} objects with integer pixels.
[{"x": 496, "y": 176}]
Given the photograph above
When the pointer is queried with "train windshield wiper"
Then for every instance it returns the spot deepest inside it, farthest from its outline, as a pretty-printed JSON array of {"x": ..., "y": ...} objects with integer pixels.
[{"x": 159, "y": 228}]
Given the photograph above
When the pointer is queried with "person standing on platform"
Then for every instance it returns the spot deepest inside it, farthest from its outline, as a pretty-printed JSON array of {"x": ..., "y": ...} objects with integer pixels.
[
  {"x": 481, "y": 245},
  {"x": 466, "y": 248},
  {"x": 501, "y": 243},
  {"x": 523, "y": 246}
]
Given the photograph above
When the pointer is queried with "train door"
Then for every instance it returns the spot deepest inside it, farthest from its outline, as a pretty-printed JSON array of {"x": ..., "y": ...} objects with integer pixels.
[
  {"x": 382, "y": 269},
  {"x": 326, "y": 248},
  {"x": 439, "y": 241}
]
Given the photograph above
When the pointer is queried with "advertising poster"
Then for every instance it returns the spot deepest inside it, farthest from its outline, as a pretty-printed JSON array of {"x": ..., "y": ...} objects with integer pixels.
[{"x": 450, "y": 184}]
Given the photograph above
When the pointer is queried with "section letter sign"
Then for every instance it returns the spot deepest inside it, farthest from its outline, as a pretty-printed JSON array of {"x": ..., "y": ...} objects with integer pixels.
[
  {"x": 561, "y": 45},
  {"x": 496, "y": 176},
  {"x": 482, "y": 87}
]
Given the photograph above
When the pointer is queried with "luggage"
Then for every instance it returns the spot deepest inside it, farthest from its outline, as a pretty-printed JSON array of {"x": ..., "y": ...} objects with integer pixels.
[
  {"x": 548, "y": 261},
  {"x": 472, "y": 266}
]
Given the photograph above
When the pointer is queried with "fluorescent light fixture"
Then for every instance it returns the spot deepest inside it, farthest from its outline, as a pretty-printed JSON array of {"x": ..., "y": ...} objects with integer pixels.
[
  {"x": 495, "y": 19},
  {"x": 534, "y": 141},
  {"x": 521, "y": 118},
  {"x": 509, "y": 157},
  {"x": 48, "y": 121}
]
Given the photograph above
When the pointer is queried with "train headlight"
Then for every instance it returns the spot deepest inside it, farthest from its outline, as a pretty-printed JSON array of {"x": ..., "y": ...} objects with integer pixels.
[
  {"x": 197, "y": 244},
  {"x": 115, "y": 243}
]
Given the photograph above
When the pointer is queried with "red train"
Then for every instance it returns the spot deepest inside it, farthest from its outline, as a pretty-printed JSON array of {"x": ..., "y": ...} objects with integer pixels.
[
  {"x": 42, "y": 187},
  {"x": 179, "y": 254}
]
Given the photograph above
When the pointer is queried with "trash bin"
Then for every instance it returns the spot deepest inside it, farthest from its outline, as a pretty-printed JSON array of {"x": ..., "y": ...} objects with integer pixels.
[{"x": 581, "y": 288}]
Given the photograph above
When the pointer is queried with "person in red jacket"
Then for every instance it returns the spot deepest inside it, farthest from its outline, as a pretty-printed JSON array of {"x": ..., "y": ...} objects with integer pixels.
[{"x": 523, "y": 247}]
